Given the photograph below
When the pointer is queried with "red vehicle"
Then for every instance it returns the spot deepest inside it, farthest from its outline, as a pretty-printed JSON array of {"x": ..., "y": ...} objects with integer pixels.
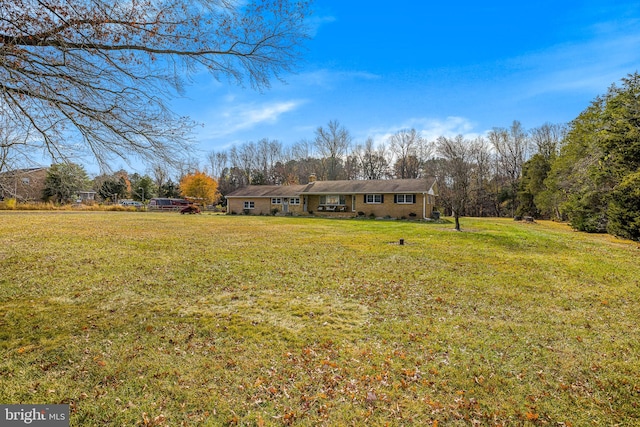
[
  {"x": 167, "y": 204},
  {"x": 192, "y": 209}
]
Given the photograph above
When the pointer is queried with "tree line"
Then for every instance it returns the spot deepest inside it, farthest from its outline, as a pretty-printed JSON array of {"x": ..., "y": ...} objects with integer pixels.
[
  {"x": 586, "y": 172},
  {"x": 65, "y": 181},
  {"x": 492, "y": 164}
]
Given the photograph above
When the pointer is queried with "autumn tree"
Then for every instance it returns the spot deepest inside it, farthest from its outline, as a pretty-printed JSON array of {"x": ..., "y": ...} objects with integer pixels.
[
  {"x": 100, "y": 72},
  {"x": 200, "y": 187}
]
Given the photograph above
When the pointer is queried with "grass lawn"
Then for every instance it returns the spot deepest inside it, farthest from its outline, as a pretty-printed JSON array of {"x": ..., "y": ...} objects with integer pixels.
[{"x": 166, "y": 319}]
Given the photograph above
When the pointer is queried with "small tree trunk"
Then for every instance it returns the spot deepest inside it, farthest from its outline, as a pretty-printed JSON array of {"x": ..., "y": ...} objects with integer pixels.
[{"x": 457, "y": 218}]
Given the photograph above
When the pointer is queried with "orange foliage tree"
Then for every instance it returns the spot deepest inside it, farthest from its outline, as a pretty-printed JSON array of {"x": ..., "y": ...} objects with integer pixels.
[{"x": 200, "y": 187}]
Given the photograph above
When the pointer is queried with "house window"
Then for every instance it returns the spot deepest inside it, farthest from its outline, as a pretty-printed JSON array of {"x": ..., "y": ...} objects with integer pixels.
[
  {"x": 405, "y": 199},
  {"x": 373, "y": 198},
  {"x": 249, "y": 205},
  {"x": 294, "y": 201},
  {"x": 276, "y": 201},
  {"x": 332, "y": 199}
]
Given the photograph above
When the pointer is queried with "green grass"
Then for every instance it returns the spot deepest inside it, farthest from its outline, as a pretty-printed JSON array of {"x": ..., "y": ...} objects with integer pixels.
[{"x": 166, "y": 319}]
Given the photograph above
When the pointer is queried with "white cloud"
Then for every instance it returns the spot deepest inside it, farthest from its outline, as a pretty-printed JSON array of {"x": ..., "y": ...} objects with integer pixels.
[
  {"x": 239, "y": 117},
  {"x": 429, "y": 128},
  {"x": 588, "y": 66},
  {"x": 316, "y": 21},
  {"x": 326, "y": 78}
]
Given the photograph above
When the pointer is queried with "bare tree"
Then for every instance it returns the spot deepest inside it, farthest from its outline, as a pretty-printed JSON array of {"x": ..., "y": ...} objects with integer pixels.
[
  {"x": 511, "y": 146},
  {"x": 14, "y": 144},
  {"x": 100, "y": 71},
  {"x": 482, "y": 173},
  {"x": 332, "y": 143},
  {"x": 373, "y": 163},
  {"x": 160, "y": 175},
  {"x": 218, "y": 161},
  {"x": 548, "y": 138},
  {"x": 454, "y": 174},
  {"x": 406, "y": 145}
]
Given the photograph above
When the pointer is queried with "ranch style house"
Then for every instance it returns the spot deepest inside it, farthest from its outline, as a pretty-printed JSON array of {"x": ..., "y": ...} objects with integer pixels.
[{"x": 396, "y": 198}]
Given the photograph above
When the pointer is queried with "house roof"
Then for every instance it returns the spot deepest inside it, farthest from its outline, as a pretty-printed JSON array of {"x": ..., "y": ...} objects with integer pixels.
[
  {"x": 25, "y": 171},
  {"x": 396, "y": 186},
  {"x": 268, "y": 191}
]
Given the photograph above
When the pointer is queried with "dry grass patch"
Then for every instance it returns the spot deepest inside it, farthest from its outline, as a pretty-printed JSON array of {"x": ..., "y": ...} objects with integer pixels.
[{"x": 164, "y": 319}]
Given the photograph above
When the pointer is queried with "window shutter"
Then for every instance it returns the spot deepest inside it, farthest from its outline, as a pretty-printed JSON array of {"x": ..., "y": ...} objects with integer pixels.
[
  {"x": 395, "y": 198},
  {"x": 415, "y": 196},
  {"x": 382, "y": 198},
  {"x": 365, "y": 198}
]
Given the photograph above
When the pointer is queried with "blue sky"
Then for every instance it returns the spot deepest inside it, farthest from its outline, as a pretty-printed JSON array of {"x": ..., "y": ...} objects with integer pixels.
[{"x": 443, "y": 68}]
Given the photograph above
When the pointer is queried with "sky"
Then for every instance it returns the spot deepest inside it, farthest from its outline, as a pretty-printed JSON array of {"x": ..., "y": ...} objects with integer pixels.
[{"x": 443, "y": 68}]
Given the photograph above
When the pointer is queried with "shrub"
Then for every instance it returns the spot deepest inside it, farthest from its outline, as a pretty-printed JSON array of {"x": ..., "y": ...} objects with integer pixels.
[
  {"x": 11, "y": 203},
  {"x": 275, "y": 211}
]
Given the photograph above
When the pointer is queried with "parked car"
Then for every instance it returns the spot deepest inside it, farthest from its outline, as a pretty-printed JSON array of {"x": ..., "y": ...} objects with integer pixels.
[{"x": 134, "y": 203}]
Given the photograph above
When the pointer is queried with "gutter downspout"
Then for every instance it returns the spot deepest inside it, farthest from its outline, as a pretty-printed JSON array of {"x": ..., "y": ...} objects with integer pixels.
[{"x": 424, "y": 205}]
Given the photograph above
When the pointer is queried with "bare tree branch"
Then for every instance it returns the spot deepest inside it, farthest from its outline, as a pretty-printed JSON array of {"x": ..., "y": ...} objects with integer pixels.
[{"x": 99, "y": 72}]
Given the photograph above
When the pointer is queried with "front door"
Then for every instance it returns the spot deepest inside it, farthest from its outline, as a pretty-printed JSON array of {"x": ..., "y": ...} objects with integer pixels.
[
  {"x": 353, "y": 203},
  {"x": 285, "y": 205}
]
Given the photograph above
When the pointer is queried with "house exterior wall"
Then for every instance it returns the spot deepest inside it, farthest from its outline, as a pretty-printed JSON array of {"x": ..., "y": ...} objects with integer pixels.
[
  {"x": 262, "y": 205},
  {"x": 23, "y": 185},
  {"x": 387, "y": 207}
]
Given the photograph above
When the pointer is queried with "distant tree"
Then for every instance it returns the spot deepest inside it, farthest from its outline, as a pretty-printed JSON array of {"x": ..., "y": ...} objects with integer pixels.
[
  {"x": 406, "y": 146},
  {"x": 481, "y": 202},
  {"x": 373, "y": 163},
  {"x": 113, "y": 188},
  {"x": 548, "y": 139},
  {"x": 169, "y": 189},
  {"x": 200, "y": 187},
  {"x": 453, "y": 174},
  {"x": 64, "y": 181},
  {"x": 511, "y": 147},
  {"x": 142, "y": 187},
  {"x": 101, "y": 70},
  {"x": 533, "y": 196},
  {"x": 534, "y": 173},
  {"x": 332, "y": 143},
  {"x": 218, "y": 161}
]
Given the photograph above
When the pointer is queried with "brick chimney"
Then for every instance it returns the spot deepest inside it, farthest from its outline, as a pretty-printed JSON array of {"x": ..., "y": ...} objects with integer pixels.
[{"x": 312, "y": 178}]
